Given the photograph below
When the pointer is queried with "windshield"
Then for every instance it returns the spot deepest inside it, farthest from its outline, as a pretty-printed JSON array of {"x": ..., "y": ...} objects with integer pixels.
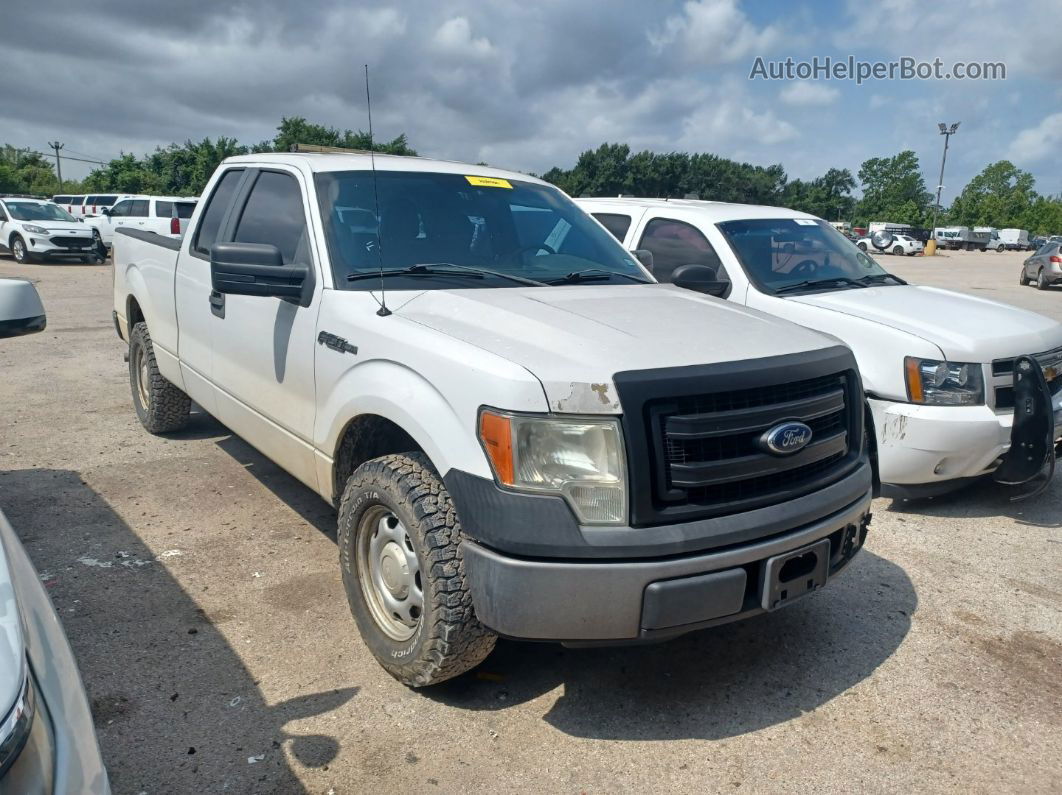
[
  {"x": 777, "y": 253},
  {"x": 37, "y": 211},
  {"x": 515, "y": 228}
]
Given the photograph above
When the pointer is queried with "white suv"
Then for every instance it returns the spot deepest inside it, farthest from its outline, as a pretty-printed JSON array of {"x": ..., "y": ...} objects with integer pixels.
[
  {"x": 33, "y": 229},
  {"x": 163, "y": 215}
]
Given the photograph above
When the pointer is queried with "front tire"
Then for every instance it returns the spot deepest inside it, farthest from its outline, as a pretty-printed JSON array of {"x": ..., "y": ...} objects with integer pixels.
[
  {"x": 862, "y": 246},
  {"x": 19, "y": 251},
  {"x": 403, "y": 571},
  {"x": 160, "y": 406},
  {"x": 1023, "y": 280}
]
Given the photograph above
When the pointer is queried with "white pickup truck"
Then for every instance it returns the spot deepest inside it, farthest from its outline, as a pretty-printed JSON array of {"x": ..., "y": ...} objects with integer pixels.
[
  {"x": 937, "y": 365},
  {"x": 524, "y": 435}
]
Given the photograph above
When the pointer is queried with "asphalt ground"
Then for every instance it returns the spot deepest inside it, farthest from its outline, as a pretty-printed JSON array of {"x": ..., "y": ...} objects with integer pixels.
[{"x": 200, "y": 588}]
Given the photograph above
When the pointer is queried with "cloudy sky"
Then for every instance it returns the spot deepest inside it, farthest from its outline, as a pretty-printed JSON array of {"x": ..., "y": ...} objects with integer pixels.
[{"x": 530, "y": 84}]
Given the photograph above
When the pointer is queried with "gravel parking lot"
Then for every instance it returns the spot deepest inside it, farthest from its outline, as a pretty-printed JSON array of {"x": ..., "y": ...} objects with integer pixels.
[{"x": 200, "y": 588}]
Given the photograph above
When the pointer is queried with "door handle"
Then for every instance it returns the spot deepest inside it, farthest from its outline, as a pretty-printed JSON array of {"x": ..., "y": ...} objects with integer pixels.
[{"x": 217, "y": 303}]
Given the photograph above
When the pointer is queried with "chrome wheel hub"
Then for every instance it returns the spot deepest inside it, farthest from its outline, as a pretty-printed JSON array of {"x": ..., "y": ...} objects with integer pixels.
[{"x": 389, "y": 573}]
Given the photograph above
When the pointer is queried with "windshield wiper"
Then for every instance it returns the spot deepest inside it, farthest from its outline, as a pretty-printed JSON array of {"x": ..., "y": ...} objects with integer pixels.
[
  {"x": 880, "y": 277},
  {"x": 812, "y": 283},
  {"x": 442, "y": 269},
  {"x": 590, "y": 274}
]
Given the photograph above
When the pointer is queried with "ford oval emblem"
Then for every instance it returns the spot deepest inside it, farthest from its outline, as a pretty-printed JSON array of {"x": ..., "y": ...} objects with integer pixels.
[{"x": 787, "y": 438}]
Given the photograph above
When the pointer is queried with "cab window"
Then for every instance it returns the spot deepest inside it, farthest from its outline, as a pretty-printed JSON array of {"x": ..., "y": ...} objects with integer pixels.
[
  {"x": 674, "y": 243},
  {"x": 121, "y": 209},
  {"x": 210, "y": 224},
  {"x": 274, "y": 214},
  {"x": 616, "y": 223}
]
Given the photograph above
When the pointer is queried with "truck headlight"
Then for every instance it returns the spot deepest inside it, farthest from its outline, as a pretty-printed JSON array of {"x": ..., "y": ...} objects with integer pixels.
[
  {"x": 933, "y": 382},
  {"x": 35, "y": 230},
  {"x": 578, "y": 458}
]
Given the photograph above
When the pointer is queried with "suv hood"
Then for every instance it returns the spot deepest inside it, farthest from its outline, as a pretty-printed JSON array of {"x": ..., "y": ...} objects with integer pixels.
[
  {"x": 574, "y": 338},
  {"x": 61, "y": 226},
  {"x": 964, "y": 327}
]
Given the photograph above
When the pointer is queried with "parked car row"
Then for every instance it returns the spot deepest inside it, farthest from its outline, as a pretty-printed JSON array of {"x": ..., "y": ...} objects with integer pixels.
[{"x": 476, "y": 375}]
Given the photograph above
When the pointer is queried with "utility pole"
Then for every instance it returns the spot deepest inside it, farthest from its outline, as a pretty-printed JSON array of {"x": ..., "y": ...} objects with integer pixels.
[
  {"x": 947, "y": 132},
  {"x": 58, "y": 165}
]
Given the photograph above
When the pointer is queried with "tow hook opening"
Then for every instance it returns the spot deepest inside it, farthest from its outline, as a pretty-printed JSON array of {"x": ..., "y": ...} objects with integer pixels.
[{"x": 798, "y": 567}]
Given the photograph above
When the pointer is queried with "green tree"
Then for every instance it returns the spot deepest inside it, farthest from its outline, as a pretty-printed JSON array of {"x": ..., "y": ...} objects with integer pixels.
[
  {"x": 893, "y": 190},
  {"x": 296, "y": 130},
  {"x": 999, "y": 196},
  {"x": 828, "y": 196},
  {"x": 1043, "y": 216}
]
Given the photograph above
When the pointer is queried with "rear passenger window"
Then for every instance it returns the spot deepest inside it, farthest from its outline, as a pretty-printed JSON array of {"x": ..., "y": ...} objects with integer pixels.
[
  {"x": 676, "y": 243},
  {"x": 615, "y": 223},
  {"x": 209, "y": 225},
  {"x": 163, "y": 209},
  {"x": 274, "y": 214},
  {"x": 138, "y": 208},
  {"x": 77, "y": 201},
  {"x": 185, "y": 209}
]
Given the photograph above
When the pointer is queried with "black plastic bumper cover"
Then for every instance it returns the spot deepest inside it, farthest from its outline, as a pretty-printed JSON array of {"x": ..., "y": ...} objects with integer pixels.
[{"x": 578, "y": 601}]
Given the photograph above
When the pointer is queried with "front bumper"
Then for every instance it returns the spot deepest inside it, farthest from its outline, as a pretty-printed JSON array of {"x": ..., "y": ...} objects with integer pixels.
[
  {"x": 618, "y": 601},
  {"x": 921, "y": 445},
  {"x": 78, "y": 245}
]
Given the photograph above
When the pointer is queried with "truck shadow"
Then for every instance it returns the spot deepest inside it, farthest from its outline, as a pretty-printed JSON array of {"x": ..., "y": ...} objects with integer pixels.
[
  {"x": 174, "y": 706},
  {"x": 986, "y": 498},
  {"x": 714, "y": 684}
]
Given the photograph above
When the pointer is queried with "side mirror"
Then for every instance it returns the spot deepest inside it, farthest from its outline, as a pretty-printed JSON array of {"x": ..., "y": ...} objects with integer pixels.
[
  {"x": 21, "y": 310},
  {"x": 105, "y": 210},
  {"x": 701, "y": 279},
  {"x": 258, "y": 269},
  {"x": 644, "y": 256}
]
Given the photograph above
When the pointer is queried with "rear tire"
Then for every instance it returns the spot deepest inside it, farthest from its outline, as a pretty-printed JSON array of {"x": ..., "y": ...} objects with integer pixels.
[
  {"x": 1041, "y": 280},
  {"x": 403, "y": 571},
  {"x": 160, "y": 406},
  {"x": 898, "y": 251}
]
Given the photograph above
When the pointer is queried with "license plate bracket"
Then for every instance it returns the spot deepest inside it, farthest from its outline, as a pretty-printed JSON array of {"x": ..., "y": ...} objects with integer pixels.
[{"x": 789, "y": 576}]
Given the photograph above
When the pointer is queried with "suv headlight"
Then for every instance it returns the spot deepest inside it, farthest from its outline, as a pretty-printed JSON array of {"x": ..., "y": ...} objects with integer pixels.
[
  {"x": 578, "y": 458},
  {"x": 936, "y": 383},
  {"x": 35, "y": 230}
]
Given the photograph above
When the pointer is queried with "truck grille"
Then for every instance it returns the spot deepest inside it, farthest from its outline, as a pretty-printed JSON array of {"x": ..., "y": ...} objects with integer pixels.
[
  {"x": 71, "y": 242},
  {"x": 702, "y": 456},
  {"x": 1051, "y": 361}
]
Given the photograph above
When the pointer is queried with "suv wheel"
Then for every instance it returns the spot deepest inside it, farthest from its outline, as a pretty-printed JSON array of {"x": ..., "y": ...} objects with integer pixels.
[
  {"x": 403, "y": 571},
  {"x": 19, "y": 250},
  {"x": 160, "y": 406},
  {"x": 1041, "y": 280}
]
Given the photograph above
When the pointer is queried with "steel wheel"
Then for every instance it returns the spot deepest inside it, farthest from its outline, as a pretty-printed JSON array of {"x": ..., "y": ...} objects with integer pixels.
[
  {"x": 143, "y": 378},
  {"x": 389, "y": 573}
]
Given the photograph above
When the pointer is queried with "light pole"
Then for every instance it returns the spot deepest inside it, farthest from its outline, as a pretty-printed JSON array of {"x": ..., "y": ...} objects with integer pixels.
[{"x": 947, "y": 132}]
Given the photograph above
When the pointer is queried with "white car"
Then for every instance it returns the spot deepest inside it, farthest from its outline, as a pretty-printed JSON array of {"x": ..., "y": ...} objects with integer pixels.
[
  {"x": 890, "y": 243},
  {"x": 936, "y": 365},
  {"x": 523, "y": 433},
  {"x": 34, "y": 229},
  {"x": 163, "y": 215},
  {"x": 47, "y": 739}
]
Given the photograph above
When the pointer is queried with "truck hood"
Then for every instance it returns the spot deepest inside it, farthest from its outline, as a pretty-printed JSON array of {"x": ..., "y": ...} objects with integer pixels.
[
  {"x": 964, "y": 327},
  {"x": 574, "y": 338}
]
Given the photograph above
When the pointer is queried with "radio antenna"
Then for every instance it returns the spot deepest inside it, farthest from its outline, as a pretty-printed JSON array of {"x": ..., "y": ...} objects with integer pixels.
[{"x": 383, "y": 311}]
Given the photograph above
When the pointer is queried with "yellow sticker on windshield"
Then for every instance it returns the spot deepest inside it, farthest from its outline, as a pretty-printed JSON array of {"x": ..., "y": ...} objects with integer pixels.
[{"x": 489, "y": 182}]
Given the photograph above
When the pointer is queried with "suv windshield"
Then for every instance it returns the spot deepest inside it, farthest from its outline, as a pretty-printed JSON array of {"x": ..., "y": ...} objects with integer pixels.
[
  {"x": 513, "y": 228},
  {"x": 37, "y": 211},
  {"x": 784, "y": 252}
]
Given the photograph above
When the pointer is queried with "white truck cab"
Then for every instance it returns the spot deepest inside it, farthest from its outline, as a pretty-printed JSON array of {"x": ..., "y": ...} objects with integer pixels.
[
  {"x": 936, "y": 365},
  {"x": 523, "y": 433}
]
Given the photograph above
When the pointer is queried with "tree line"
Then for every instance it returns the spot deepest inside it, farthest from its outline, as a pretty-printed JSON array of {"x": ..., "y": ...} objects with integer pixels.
[{"x": 892, "y": 188}]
